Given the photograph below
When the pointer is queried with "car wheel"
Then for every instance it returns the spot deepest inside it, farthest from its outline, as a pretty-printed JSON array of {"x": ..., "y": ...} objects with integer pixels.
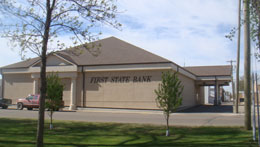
[
  {"x": 5, "y": 107},
  {"x": 29, "y": 108},
  {"x": 20, "y": 106}
]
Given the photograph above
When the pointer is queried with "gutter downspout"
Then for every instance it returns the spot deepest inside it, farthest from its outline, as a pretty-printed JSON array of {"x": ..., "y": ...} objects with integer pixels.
[{"x": 83, "y": 88}]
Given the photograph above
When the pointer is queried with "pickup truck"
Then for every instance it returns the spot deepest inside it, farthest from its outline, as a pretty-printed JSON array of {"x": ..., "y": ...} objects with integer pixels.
[
  {"x": 32, "y": 101},
  {"x": 4, "y": 103}
]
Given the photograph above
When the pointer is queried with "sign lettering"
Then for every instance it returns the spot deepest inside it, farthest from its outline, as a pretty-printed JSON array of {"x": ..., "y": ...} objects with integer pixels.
[{"x": 120, "y": 79}]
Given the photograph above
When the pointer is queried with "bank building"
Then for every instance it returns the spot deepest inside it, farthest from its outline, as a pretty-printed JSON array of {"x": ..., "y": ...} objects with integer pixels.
[{"x": 120, "y": 75}]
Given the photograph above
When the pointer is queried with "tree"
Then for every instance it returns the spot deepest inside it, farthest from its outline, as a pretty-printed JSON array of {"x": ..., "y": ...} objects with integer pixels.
[
  {"x": 169, "y": 95},
  {"x": 251, "y": 31},
  {"x": 254, "y": 23},
  {"x": 254, "y": 6},
  {"x": 54, "y": 95},
  {"x": 40, "y": 22},
  {"x": 247, "y": 72}
]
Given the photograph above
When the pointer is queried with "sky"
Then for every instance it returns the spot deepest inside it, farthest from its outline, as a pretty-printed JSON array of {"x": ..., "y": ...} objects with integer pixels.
[{"x": 187, "y": 32}]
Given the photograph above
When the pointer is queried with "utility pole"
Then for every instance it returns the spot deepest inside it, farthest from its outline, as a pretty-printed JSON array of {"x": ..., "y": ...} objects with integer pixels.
[
  {"x": 232, "y": 81},
  {"x": 247, "y": 90},
  {"x": 238, "y": 56}
]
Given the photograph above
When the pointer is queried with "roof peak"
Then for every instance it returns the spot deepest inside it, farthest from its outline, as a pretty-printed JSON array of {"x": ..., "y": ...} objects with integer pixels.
[{"x": 110, "y": 51}]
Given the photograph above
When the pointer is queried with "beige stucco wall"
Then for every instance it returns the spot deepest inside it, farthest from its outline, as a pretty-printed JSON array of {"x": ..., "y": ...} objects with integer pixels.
[
  {"x": 189, "y": 91},
  {"x": 21, "y": 85},
  {"x": 66, "y": 92},
  {"x": 122, "y": 94},
  {"x": 139, "y": 95},
  {"x": 200, "y": 95},
  {"x": 79, "y": 91},
  {"x": 17, "y": 86}
]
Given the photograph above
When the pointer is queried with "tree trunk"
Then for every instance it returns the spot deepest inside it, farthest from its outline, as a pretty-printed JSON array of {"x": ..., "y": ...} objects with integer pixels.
[
  {"x": 247, "y": 67},
  {"x": 167, "y": 125},
  {"x": 257, "y": 108},
  {"x": 51, "y": 125},
  {"x": 238, "y": 57},
  {"x": 40, "y": 127}
]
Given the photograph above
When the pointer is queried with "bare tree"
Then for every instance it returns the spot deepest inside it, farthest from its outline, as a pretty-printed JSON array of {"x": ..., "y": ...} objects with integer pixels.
[
  {"x": 254, "y": 23},
  {"x": 40, "y": 22},
  {"x": 251, "y": 24}
]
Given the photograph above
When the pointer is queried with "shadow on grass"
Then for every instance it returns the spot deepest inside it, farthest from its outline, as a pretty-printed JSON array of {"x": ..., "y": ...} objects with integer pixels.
[
  {"x": 187, "y": 144},
  {"x": 209, "y": 109},
  {"x": 80, "y": 134}
]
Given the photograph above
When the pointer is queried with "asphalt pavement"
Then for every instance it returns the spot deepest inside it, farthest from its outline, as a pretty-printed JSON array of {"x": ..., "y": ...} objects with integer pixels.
[{"x": 154, "y": 117}]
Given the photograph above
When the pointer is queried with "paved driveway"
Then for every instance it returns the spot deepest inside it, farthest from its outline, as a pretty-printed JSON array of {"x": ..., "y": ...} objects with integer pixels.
[{"x": 136, "y": 116}]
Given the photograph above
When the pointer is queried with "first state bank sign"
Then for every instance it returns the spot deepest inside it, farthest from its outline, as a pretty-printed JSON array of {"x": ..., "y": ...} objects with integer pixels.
[{"x": 120, "y": 79}]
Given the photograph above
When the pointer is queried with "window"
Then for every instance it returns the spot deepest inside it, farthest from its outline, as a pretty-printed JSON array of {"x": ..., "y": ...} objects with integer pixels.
[
  {"x": 35, "y": 97},
  {"x": 29, "y": 98}
]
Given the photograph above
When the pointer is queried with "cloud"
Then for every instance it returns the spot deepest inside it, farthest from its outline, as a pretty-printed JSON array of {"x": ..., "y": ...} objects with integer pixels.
[
  {"x": 8, "y": 55},
  {"x": 183, "y": 31},
  {"x": 190, "y": 30}
]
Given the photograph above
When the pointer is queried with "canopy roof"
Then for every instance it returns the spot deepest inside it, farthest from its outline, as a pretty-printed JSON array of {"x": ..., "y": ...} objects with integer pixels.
[{"x": 221, "y": 70}]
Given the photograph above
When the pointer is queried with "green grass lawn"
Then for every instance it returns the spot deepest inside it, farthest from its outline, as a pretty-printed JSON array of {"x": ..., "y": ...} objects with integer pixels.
[{"x": 22, "y": 133}]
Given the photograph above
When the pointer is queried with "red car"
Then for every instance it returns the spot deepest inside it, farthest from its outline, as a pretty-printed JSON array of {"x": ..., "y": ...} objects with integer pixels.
[{"x": 32, "y": 101}]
